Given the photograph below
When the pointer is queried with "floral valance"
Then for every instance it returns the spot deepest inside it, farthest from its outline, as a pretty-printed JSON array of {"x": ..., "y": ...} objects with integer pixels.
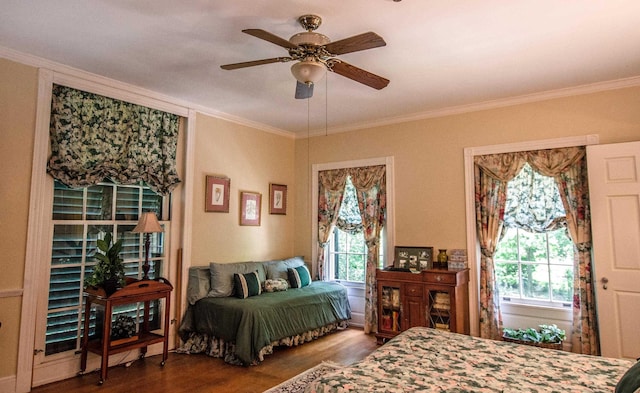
[{"x": 93, "y": 138}]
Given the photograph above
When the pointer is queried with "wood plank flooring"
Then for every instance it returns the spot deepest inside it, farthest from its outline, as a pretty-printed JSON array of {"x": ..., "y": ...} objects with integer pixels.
[{"x": 201, "y": 373}]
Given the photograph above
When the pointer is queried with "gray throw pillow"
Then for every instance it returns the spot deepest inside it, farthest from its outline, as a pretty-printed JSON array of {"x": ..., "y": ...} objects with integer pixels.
[
  {"x": 222, "y": 276},
  {"x": 278, "y": 269},
  {"x": 198, "y": 285}
]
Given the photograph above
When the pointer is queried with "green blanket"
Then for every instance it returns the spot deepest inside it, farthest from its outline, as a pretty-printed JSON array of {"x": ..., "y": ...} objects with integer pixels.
[{"x": 257, "y": 321}]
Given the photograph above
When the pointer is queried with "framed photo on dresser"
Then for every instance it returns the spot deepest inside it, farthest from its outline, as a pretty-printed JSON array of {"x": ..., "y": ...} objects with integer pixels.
[{"x": 413, "y": 258}]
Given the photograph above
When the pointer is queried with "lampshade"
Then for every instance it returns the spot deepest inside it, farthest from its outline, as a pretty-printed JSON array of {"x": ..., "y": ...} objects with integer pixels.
[
  {"x": 308, "y": 71},
  {"x": 147, "y": 223}
]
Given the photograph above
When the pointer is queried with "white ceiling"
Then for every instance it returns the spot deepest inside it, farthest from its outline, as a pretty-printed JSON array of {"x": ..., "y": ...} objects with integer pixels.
[{"x": 439, "y": 54}]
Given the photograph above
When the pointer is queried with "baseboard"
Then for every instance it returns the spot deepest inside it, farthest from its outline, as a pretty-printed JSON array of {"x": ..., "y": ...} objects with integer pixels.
[{"x": 8, "y": 384}]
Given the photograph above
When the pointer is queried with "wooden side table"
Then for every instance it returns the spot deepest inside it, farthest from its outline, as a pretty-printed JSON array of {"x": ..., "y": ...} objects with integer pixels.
[{"x": 135, "y": 291}]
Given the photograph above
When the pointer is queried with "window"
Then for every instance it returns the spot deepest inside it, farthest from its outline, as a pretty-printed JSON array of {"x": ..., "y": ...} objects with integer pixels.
[
  {"x": 534, "y": 258},
  {"x": 80, "y": 217},
  {"x": 347, "y": 251}
]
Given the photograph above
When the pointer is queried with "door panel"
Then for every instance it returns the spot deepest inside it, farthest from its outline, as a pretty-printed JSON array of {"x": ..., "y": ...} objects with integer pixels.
[{"x": 614, "y": 189}]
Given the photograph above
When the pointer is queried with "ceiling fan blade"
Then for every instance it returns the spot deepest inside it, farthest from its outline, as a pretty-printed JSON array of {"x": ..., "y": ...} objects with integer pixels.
[
  {"x": 356, "y": 43},
  {"x": 304, "y": 90},
  {"x": 359, "y": 75},
  {"x": 255, "y": 63},
  {"x": 274, "y": 39}
]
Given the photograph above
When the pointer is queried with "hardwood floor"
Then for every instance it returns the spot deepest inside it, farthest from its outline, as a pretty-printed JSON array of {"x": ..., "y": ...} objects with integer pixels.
[{"x": 201, "y": 373}]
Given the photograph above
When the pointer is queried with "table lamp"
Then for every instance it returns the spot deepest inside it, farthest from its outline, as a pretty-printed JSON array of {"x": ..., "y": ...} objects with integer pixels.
[{"x": 147, "y": 224}]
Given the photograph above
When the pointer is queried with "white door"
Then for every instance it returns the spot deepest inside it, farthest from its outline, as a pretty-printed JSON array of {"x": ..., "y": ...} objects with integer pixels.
[{"x": 614, "y": 191}]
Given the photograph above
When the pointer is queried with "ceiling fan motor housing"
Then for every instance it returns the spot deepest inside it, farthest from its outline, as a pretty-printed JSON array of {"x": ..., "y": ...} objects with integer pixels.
[{"x": 309, "y": 38}]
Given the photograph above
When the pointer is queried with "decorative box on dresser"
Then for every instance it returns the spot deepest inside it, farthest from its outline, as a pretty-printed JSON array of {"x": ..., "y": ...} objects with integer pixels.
[{"x": 436, "y": 298}]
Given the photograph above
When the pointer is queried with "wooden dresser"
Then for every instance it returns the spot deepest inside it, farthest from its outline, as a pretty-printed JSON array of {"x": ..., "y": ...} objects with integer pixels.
[{"x": 436, "y": 298}]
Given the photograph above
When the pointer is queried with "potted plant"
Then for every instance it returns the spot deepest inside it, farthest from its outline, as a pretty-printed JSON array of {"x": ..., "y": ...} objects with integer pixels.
[
  {"x": 108, "y": 273},
  {"x": 547, "y": 336}
]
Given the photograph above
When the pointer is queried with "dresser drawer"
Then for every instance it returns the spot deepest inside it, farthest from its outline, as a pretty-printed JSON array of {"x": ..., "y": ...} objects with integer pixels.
[
  {"x": 413, "y": 290},
  {"x": 440, "y": 277}
]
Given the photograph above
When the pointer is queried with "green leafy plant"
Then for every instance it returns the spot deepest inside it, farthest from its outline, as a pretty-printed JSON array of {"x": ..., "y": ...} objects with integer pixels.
[
  {"x": 545, "y": 334},
  {"x": 109, "y": 266}
]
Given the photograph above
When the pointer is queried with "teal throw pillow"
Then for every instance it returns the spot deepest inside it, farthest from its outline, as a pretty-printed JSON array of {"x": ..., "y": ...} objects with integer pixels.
[
  {"x": 299, "y": 277},
  {"x": 247, "y": 284},
  {"x": 630, "y": 381}
]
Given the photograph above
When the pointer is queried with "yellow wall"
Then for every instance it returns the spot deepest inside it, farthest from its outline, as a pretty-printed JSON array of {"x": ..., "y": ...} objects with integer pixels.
[
  {"x": 429, "y": 173},
  {"x": 251, "y": 159},
  {"x": 18, "y": 91}
]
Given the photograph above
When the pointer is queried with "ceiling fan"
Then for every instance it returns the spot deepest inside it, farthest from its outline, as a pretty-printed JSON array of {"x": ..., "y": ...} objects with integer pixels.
[{"x": 315, "y": 54}]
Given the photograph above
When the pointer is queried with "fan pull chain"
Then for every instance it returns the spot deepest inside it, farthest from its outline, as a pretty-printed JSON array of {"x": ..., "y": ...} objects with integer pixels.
[{"x": 326, "y": 105}]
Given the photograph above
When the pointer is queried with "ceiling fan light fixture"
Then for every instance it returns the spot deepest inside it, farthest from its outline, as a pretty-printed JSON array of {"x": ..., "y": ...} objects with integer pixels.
[{"x": 308, "y": 71}]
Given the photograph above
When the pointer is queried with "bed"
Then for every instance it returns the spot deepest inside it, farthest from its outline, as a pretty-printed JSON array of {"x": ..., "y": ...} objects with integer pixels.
[
  {"x": 243, "y": 330},
  {"x": 429, "y": 360}
]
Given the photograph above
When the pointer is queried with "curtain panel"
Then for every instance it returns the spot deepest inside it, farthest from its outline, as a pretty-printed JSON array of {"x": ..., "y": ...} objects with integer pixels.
[
  {"x": 330, "y": 193},
  {"x": 93, "y": 138},
  {"x": 370, "y": 184}
]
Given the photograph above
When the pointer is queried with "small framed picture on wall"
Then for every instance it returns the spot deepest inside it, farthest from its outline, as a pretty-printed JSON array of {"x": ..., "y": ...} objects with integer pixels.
[
  {"x": 217, "y": 194},
  {"x": 277, "y": 199},
  {"x": 250, "y": 207}
]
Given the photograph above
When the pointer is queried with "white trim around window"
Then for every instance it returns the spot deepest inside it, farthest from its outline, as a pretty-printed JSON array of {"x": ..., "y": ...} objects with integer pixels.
[
  {"x": 38, "y": 233},
  {"x": 473, "y": 251}
]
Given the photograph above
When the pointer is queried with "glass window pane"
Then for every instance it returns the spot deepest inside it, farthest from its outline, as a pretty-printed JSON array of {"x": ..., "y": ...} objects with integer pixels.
[
  {"x": 535, "y": 281},
  {"x": 562, "y": 283},
  {"x": 95, "y": 232},
  {"x": 151, "y": 202},
  {"x": 127, "y": 199},
  {"x": 130, "y": 243},
  {"x": 356, "y": 263},
  {"x": 62, "y": 331},
  {"x": 64, "y": 287},
  {"x": 67, "y": 202},
  {"x": 156, "y": 247},
  {"x": 67, "y": 244},
  {"x": 560, "y": 248},
  {"x": 532, "y": 246},
  {"x": 508, "y": 279},
  {"x": 507, "y": 249},
  {"x": 341, "y": 268},
  {"x": 99, "y": 202}
]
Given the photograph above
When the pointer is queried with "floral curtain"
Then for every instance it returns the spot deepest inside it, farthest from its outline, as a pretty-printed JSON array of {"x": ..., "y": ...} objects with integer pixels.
[
  {"x": 370, "y": 184},
  {"x": 330, "y": 193},
  {"x": 569, "y": 169},
  {"x": 93, "y": 138},
  {"x": 492, "y": 172}
]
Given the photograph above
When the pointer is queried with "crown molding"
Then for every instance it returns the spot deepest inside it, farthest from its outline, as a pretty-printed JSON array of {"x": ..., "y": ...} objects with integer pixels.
[
  {"x": 493, "y": 104},
  {"x": 78, "y": 78}
]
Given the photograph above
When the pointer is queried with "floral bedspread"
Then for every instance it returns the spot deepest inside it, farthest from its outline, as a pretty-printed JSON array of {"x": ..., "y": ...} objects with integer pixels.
[{"x": 429, "y": 360}]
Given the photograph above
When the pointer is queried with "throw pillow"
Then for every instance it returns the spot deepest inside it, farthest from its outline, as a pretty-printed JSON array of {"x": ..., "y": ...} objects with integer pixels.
[
  {"x": 299, "y": 277},
  {"x": 279, "y": 269},
  {"x": 247, "y": 284},
  {"x": 222, "y": 284},
  {"x": 276, "y": 285},
  {"x": 630, "y": 381}
]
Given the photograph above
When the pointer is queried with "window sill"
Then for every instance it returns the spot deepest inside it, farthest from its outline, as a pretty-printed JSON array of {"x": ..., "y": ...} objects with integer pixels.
[
  {"x": 535, "y": 310},
  {"x": 350, "y": 284}
]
